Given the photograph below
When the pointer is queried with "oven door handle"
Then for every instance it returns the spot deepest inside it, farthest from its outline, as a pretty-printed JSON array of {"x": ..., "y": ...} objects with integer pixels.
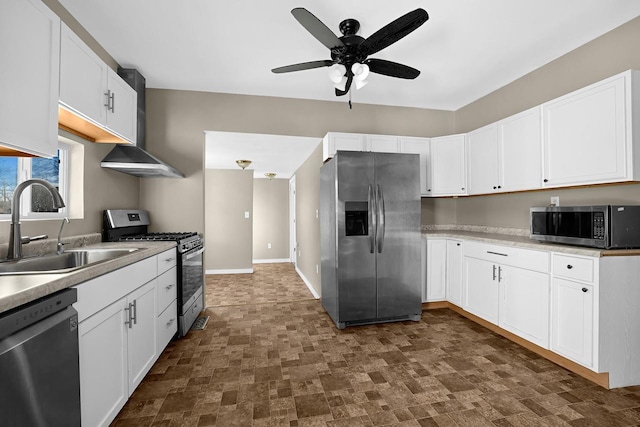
[{"x": 189, "y": 255}]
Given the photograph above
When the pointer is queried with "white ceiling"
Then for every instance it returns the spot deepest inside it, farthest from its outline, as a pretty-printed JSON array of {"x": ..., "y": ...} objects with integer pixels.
[
  {"x": 282, "y": 155},
  {"x": 467, "y": 49}
]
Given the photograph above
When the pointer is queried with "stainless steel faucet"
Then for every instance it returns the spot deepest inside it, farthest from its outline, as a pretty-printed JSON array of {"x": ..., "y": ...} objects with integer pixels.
[
  {"x": 60, "y": 247},
  {"x": 15, "y": 238}
]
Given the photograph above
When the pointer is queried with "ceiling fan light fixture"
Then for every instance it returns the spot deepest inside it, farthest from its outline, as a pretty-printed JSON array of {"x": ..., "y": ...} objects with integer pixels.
[
  {"x": 336, "y": 73},
  {"x": 243, "y": 163},
  {"x": 360, "y": 71},
  {"x": 341, "y": 85}
]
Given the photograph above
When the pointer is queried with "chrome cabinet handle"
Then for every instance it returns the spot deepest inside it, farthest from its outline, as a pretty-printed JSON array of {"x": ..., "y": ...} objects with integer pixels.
[
  {"x": 169, "y": 259},
  {"x": 110, "y": 100},
  {"x": 499, "y": 274},
  {"x": 496, "y": 253},
  {"x": 170, "y": 321},
  {"x": 135, "y": 312},
  {"x": 129, "y": 319},
  {"x": 169, "y": 287},
  {"x": 569, "y": 266},
  {"x": 494, "y": 272},
  {"x": 585, "y": 290}
]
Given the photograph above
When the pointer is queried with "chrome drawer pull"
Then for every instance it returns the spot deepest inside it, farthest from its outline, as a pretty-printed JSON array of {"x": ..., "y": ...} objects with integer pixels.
[
  {"x": 496, "y": 253},
  {"x": 170, "y": 322},
  {"x": 169, "y": 287}
]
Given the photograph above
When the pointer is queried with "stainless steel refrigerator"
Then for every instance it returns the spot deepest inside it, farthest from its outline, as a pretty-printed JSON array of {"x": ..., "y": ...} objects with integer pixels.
[{"x": 370, "y": 237}]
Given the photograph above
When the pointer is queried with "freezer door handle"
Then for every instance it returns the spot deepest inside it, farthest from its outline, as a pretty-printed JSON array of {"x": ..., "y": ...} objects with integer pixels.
[
  {"x": 372, "y": 220},
  {"x": 381, "y": 218}
]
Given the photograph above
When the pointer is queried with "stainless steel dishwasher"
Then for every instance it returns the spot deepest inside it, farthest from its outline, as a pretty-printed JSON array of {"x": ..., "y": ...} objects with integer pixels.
[{"x": 39, "y": 369}]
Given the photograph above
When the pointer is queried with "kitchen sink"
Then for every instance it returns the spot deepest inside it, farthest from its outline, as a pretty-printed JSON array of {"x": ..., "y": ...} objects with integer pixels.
[{"x": 70, "y": 260}]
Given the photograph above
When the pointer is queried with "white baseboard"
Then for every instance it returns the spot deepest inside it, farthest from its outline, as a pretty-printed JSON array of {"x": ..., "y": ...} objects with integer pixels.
[
  {"x": 306, "y": 282},
  {"x": 236, "y": 271},
  {"x": 271, "y": 261}
]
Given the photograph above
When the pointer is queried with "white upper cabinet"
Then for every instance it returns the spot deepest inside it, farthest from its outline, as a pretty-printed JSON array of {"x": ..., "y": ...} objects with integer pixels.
[
  {"x": 334, "y": 141},
  {"x": 506, "y": 155},
  {"x": 382, "y": 143},
  {"x": 448, "y": 166},
  {"x": 419, "y": 146},
  {"x": 520, "y": 151},
  {"x": 482, "y": 158},
  {"x": 93, "y": 91},
  {"x": 588, "y": 134},
  {"x": 29, "y": 74}
]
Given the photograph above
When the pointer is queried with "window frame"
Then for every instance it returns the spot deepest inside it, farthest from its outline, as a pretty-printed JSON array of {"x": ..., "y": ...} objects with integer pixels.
[{"x": 24, "y": 173}]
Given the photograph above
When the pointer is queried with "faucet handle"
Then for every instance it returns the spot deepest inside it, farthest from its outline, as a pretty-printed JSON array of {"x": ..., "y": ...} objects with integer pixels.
[{"x": 27, "y": 239}]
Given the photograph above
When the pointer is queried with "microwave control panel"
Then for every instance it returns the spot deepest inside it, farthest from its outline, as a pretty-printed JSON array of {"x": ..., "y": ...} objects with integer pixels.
[{"x": 598, "y": 225}]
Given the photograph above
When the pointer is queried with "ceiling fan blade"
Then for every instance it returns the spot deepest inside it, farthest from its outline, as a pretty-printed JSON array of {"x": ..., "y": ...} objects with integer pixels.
[
  {"x": 392, "y": 69},
  {"x": 393, "y": 31},
  {"x": 303, "y": 66},
  {"x": 346, "y": 86},
  {"x": 317, "y": 28}
]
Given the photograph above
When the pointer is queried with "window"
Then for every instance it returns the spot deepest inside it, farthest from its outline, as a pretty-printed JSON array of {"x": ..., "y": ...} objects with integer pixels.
[{"x": 35, "y": 202}]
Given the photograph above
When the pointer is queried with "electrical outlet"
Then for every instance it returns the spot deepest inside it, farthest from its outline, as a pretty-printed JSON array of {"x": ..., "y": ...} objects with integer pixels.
[
  {"x": 246, "y": 214},
  {"x": 316, "y": 213},
  {"x": 268, "y": 245},
  {"x": 555, "y": 201},
  {"x": 317, "y": 269}
]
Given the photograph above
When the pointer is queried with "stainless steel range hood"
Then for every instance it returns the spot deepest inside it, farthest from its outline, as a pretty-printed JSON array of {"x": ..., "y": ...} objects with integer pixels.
[{"x": 134, "y": 160}]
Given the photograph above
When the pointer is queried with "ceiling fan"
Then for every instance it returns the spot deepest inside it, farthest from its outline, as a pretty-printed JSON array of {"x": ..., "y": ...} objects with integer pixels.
[{"x": 349, "y": 53}]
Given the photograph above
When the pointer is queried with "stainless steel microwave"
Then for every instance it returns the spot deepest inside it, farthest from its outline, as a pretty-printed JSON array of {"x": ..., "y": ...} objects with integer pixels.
[{"x": 606, "y": 226}]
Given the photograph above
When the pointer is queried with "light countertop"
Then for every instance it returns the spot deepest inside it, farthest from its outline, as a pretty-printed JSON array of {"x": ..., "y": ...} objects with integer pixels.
[
  {"x": 519, "y": 240},
  {"x": 19, "y": 289}
]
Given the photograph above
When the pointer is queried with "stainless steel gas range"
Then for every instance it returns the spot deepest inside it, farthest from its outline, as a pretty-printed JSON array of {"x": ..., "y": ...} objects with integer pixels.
[{"x": 132, "y": 225}]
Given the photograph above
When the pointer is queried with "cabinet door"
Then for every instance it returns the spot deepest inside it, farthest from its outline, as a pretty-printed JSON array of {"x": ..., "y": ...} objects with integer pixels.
[
  {"x": 524, "y": 304},
  {"x": 334, "y": 141},
  {"x": 419, "y": 146},
  {"x": 480, "y": 289},
  {"x": 436, "y": 270},
  {"x": 585, "y": 135},
  {"x": 382, "y": 143},
  {"x": 83, "y": 78},
  {"x": 29, "y": 74},
  {"x": 572, "y": 320},
  {"x": 454, "y": 272},
  {"x": 482, "y": 160},
  {"x": 103, "y": 365},
  {"x": 142, "y": 334},
  {"x": 520, "y": 151},
  {"x": 448, "y": 165},
  {"x": 122, "y": 111}
]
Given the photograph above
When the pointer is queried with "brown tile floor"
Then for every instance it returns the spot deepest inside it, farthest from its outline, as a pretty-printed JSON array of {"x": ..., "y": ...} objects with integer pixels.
[{"x": 285, "y": 364}]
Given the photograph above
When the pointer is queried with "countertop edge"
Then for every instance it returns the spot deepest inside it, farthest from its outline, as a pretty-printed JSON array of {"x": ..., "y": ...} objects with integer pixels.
[
  {"x": 19, "y": 289},
  {"x": 526, "y": 242}
]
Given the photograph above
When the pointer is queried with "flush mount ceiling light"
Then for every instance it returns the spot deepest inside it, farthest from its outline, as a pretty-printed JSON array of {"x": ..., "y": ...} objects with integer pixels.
[
  {"x": 243, "y": 163},
  {"x": 349, "y": 54},
  {"x": 270, "y": 175}
]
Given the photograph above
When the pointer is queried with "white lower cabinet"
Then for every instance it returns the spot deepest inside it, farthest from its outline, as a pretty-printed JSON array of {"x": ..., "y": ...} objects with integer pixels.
[
  {"x": 572, "y": 321},
  {"x": 121, "y": 334},
  {"x": 524, "y": 304},
  {"x": 454, "y": 271},
  {"x": 480, "y": 289},
  {"x": 435, "y": 289}
]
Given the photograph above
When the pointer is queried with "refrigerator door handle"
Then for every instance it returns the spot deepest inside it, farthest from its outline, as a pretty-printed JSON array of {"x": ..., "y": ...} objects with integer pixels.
[
  {"x": 372, "y": 220},
  {"x": 381, "y": 218}
]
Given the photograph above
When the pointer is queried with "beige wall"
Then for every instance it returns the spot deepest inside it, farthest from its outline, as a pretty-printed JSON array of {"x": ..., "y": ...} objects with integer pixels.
[
  {"x": 605, "y": 56},
  {"x": 307, "y": 224},
  {"x": 228, "y": 234},
  {"x": 270, "y": 219}
]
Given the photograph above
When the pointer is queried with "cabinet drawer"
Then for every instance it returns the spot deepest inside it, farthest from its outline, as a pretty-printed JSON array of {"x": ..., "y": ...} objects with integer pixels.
[
  {"x": 507, "y": 255},
  {"x": 166, "y": 260},
  {"x": 167, "y": 325},
  {"x": 167, "y": 289},
  {"x": 573, "y": 267}
]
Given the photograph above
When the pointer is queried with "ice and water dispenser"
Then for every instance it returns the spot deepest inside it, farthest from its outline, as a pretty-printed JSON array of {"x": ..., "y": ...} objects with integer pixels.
[{"x": 356, "y": 218}]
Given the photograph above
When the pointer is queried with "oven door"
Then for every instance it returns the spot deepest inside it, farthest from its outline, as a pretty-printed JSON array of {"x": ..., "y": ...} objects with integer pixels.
[{"x": 192, "y": 278}]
